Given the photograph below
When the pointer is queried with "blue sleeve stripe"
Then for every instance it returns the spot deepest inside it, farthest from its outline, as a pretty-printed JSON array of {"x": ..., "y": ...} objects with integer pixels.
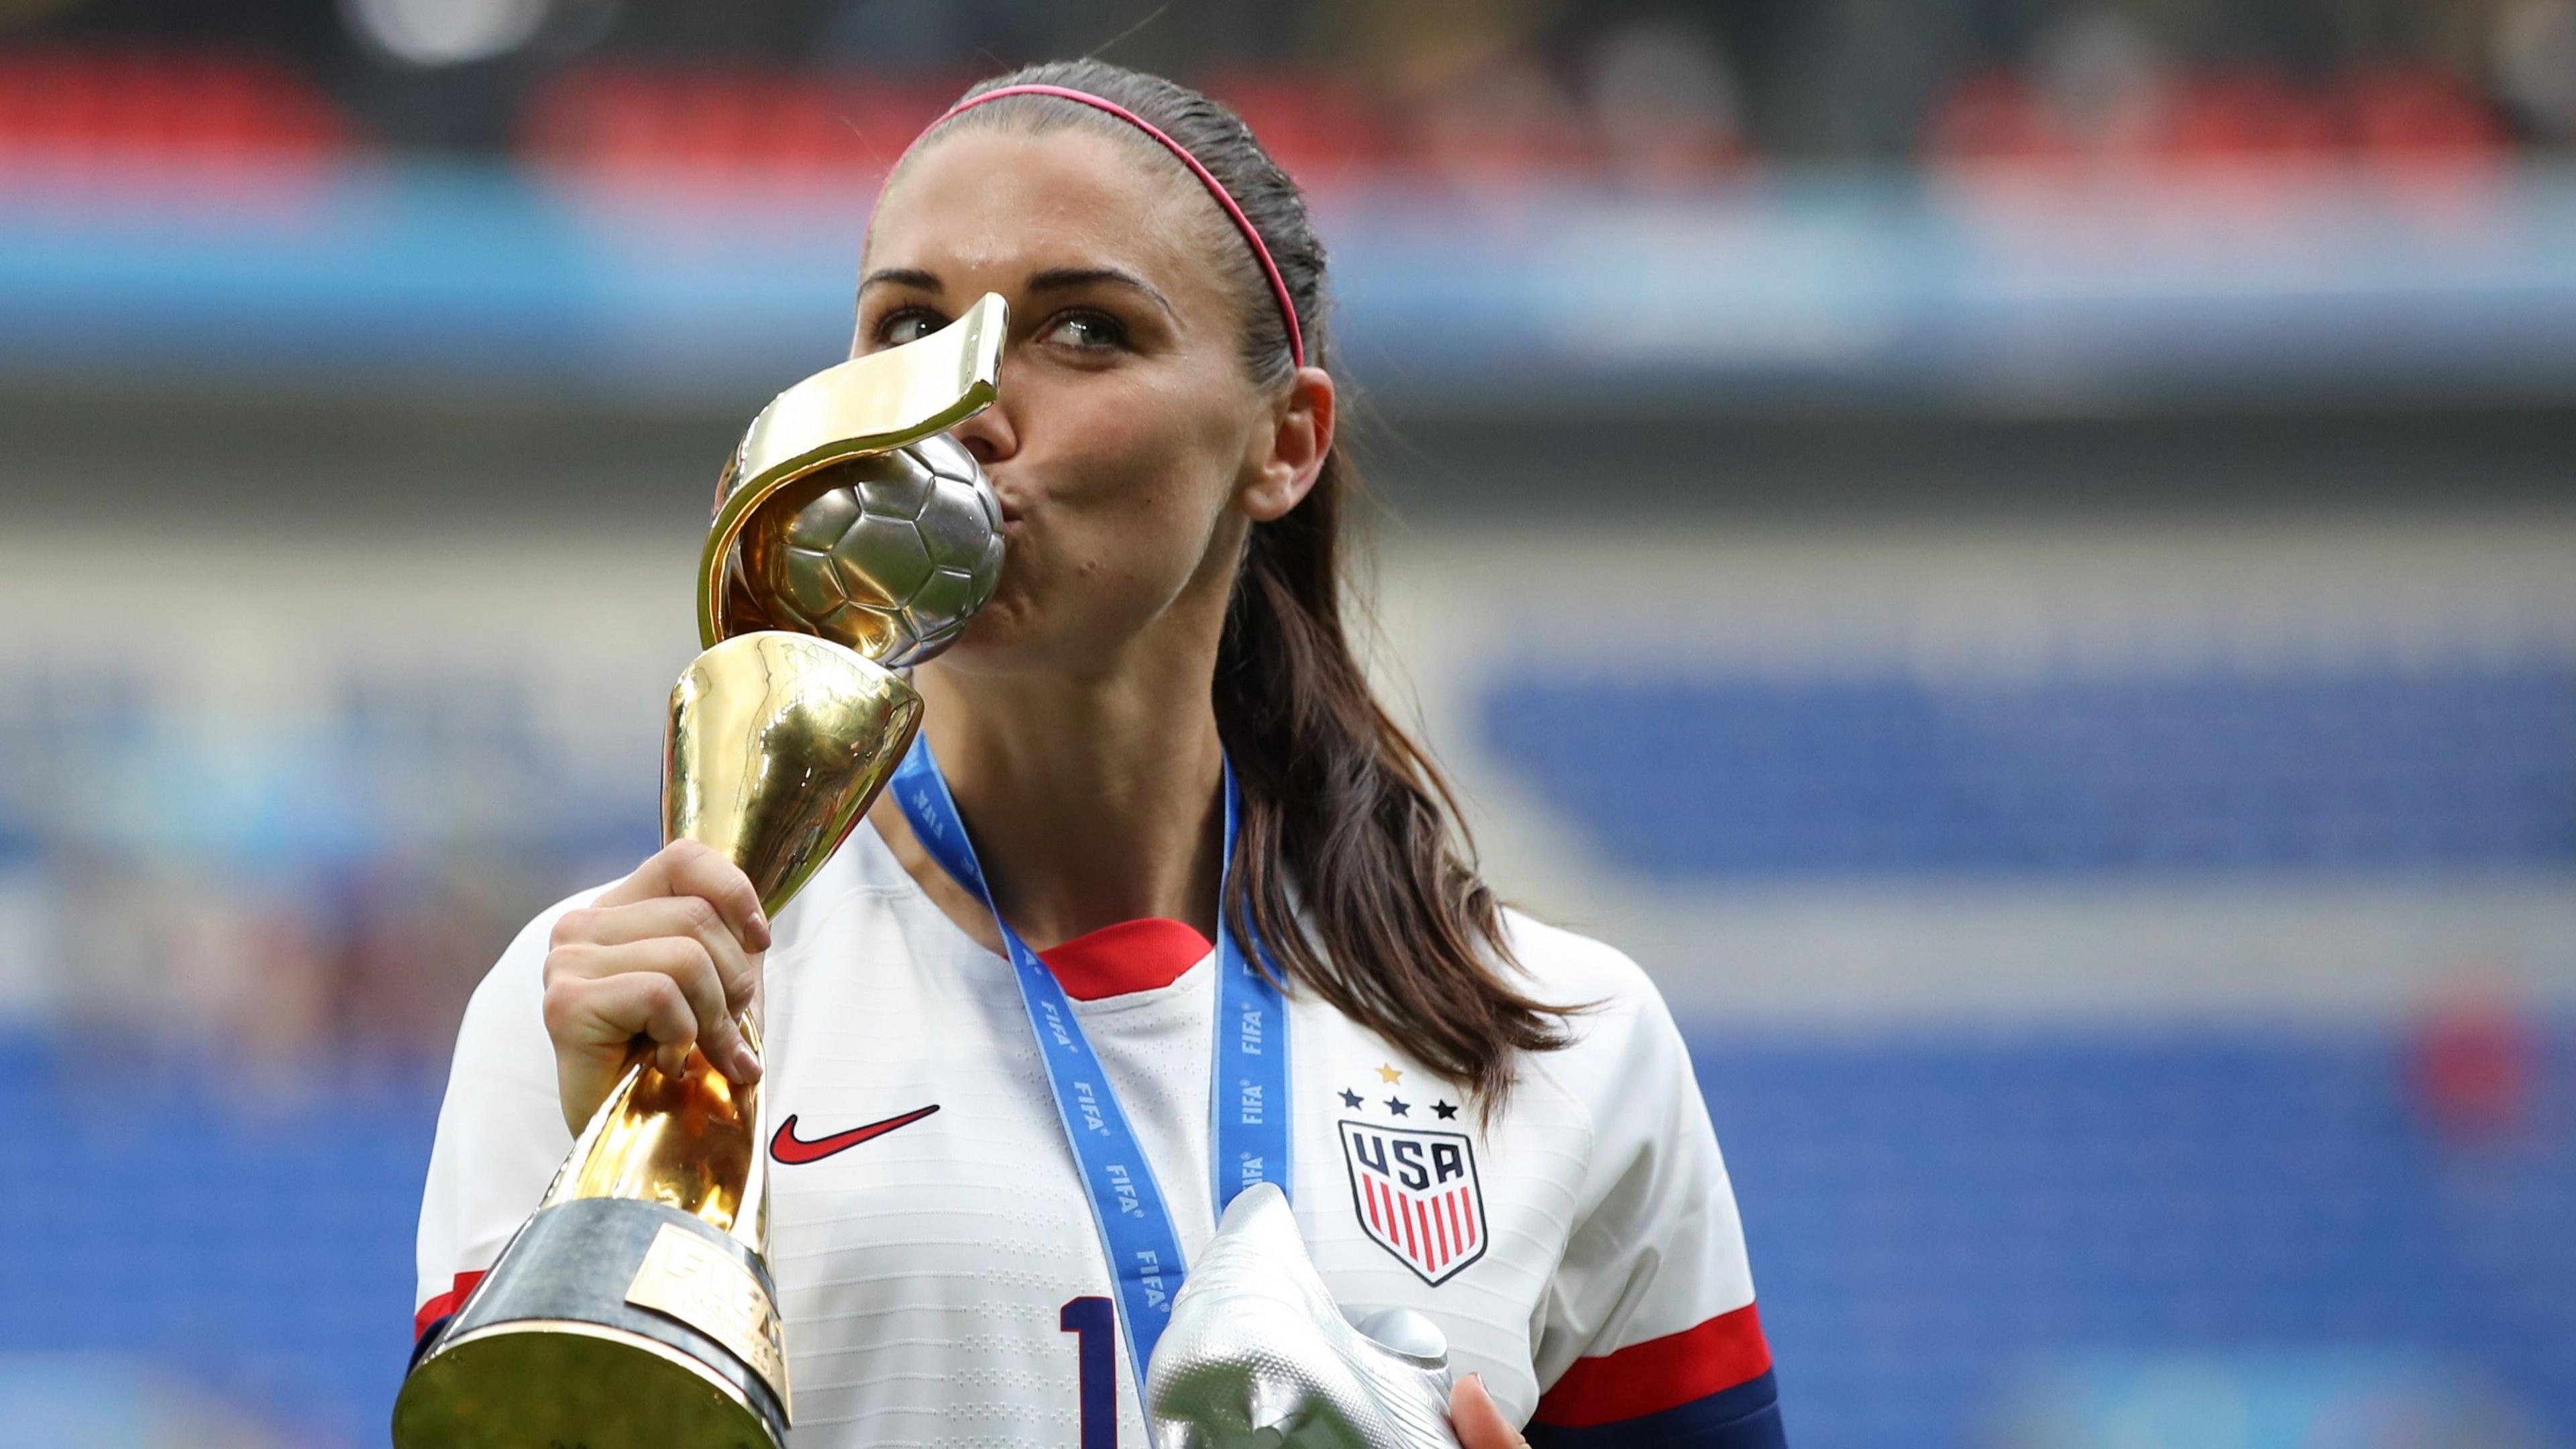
[
  {"x": 1746, "y": 1416},
  {"x": 429, "y": 1335}
]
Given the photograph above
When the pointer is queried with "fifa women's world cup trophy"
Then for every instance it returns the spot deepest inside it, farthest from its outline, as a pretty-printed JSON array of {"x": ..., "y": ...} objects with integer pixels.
[{"x": 635, "y": 1310}]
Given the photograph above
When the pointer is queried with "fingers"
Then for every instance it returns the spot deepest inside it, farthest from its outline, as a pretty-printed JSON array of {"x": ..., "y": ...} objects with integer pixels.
[
  {"x": 594, "y": 1024},
  {"x": 686, "y": 868},
  {"x": 682, "y": 962},
  {"x": 660, "y": 1013},
  {"x": 1478, "y": 1422},
  {"x": 686, "y": 917},
  {"x": 668, "y": 957}
]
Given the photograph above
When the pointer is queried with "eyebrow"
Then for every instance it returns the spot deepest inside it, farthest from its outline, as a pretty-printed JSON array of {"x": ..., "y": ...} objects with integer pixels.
[
  {"x": 901, "y": 277},
  {"x": 1053, "y": 279},
  {"x": 1056, "y": 279}
]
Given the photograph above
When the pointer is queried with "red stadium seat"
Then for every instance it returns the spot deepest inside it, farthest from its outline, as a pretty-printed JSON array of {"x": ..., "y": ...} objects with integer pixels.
[
  {"x": 1508, "y": 120},
  {"x": 626, "y": 120},
  {"x": 1992, "y": 116},
  {"x": 1319, "y": 129},
  {"x": 2418, "y": 115},
  {"x": 2250, "y": 114},
  {"x": 74, "y": 107},
  {"x": 2437, "y": 148},
  {"x": 2405, "y": 119}
]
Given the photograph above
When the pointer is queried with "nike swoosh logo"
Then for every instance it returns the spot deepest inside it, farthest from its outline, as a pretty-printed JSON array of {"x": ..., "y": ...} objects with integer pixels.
[{"x": 788, "y": 1148}]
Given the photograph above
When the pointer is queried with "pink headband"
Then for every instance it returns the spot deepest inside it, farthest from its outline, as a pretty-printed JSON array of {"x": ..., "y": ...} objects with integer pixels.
[{"x": 1216, "y": 188}]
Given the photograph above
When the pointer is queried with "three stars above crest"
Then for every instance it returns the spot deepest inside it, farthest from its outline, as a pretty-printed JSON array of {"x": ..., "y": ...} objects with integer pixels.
[{"x": 1389, "y": 1074}]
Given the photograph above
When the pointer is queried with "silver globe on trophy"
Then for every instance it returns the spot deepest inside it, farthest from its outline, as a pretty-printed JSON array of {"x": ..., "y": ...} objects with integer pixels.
[
  {"x": 1258, "y": 1356},
  {"x": 634, "y": 1309}
]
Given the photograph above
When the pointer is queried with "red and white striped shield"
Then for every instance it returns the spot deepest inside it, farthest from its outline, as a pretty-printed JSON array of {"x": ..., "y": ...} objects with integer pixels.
[{"x": 1417, "y": 1195}]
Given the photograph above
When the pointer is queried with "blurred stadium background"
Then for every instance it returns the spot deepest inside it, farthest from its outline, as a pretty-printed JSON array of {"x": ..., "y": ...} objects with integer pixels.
[{"x": 2021, "y": 555}]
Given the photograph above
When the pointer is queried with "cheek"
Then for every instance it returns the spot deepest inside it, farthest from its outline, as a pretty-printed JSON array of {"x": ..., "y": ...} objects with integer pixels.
[{"x": 1134, "y": 481}]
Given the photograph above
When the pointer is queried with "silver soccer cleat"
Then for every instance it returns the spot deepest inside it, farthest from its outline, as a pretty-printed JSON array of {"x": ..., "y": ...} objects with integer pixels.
[{"x": 1258, "y": 1357}]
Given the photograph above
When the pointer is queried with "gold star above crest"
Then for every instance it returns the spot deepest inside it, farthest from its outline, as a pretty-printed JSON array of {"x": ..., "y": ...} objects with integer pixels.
[{"x": 1388, "y": 1073}]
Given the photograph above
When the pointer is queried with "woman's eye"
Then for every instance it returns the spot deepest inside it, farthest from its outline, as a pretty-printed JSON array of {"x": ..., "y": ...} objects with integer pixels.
[
  {"x": 909, "y": 325},
  {"x": 1087, "y": 329}
]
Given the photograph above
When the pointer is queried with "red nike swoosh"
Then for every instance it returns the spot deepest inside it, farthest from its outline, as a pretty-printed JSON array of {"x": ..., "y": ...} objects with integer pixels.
[{"x": 791, "y": 1150}]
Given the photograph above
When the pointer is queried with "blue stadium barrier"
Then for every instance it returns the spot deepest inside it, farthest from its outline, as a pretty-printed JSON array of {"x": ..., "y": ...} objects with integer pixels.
[
  {"x": 1933, "y": 1219},
  {"x": 2442, "y": 768},
  {"x": 427, "y": 276},
  {"x": 259, "y": 1244}
]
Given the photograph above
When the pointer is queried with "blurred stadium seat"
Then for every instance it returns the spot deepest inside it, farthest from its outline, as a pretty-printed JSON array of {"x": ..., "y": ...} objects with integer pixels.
[
  {"x": 628, "y": 120},
  {"x": 1323, "y": 130},
  {"x": 1937, "y": 1219},
  {"x": 1963, "y": 1212},
  {"x": 2391, "y": 116},
  {"x": 190, "y": 115},
  {"x": 109, "y": 1401},
  {"x": 2421, "y": 115},
  {"x": 2300, "y": 769},
  {"x": 256, "y": 1248}
]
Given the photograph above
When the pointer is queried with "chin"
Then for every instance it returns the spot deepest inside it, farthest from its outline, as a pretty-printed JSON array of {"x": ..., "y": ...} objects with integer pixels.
[{"x": 1003, "y": 636}]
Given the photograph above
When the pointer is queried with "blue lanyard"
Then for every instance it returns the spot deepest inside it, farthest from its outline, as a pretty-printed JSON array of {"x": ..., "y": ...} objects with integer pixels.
[{"x": 1247, "y": 1083}]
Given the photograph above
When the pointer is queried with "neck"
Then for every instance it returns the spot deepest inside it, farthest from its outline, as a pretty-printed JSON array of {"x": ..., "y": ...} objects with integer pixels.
[{"x": 1092, "y": 800}]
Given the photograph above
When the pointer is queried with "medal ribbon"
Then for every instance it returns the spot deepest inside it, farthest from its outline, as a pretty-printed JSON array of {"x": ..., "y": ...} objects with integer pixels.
[{"x": 1247, "y": 1082}]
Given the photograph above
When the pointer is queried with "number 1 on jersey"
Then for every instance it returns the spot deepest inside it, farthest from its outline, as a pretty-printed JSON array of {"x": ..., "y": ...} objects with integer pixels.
[{"x": 1093, "y": 1322}]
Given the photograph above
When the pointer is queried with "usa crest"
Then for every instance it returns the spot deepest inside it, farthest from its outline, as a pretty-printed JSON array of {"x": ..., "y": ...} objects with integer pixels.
[{"x": 1416, "y": 1193}]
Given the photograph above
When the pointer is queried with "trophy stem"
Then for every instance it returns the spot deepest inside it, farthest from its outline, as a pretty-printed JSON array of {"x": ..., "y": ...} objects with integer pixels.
[
  {"x": 689, "y": 1142},
  {"x": 635, "y": 1307},
  {"x": 778, "y": 744}
]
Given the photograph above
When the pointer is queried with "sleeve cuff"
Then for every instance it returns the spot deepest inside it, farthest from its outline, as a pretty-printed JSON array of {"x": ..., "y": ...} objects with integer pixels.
[{"x": 1746, "y": 1416}]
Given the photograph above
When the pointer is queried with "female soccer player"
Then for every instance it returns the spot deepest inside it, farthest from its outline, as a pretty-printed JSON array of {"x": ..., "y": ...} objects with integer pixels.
[{"x": 1476, "y": 1116}]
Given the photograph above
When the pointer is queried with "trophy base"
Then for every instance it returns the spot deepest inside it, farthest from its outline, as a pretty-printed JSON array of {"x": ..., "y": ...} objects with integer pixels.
[
  {"x": 557, "y": 1348},
  {"x": 567, "y": 1385}
]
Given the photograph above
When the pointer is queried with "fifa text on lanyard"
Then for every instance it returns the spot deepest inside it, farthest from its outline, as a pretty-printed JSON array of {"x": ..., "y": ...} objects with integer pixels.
[{"x": 1247, "y": 1084}]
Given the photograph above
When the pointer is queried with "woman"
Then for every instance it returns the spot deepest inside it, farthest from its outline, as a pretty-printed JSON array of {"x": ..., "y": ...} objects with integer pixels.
[{"x": 1485, "y": 1119}]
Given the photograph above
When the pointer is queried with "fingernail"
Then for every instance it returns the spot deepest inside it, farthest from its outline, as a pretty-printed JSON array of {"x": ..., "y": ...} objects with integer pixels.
[
  {"x": 746, "y": 1064},
  {"x": 760, "y": 923}
]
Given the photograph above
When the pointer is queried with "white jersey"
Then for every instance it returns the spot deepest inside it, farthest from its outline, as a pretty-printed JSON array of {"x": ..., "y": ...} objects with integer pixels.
[{"x": 929, "y": 1234}]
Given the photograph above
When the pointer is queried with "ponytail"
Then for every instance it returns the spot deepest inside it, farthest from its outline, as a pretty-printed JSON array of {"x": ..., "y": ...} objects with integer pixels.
[{"x": 1351, "y": 866}]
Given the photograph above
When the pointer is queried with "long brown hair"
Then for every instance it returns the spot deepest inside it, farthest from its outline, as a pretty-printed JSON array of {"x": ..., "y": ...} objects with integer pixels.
[{"x": 1351, "y": 865}]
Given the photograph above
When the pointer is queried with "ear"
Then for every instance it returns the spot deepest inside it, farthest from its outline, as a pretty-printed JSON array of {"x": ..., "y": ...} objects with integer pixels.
[{"x": 1288, "y": 454}]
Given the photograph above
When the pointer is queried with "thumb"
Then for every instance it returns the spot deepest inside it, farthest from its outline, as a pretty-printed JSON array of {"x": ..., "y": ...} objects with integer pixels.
[{"x": 1478, "y": 1423}]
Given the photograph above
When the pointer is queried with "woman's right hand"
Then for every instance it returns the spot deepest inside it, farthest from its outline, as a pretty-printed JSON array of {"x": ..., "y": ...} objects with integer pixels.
[{"x": 664, "y": 958}]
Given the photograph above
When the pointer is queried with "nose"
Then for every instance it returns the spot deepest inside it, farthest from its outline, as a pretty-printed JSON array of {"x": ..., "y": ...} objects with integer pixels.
[{"x": 989, "y": 434}]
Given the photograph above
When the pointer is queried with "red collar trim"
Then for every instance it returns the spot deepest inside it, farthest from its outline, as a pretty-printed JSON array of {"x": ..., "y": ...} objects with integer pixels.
[{"x": 1130, "y": 956}]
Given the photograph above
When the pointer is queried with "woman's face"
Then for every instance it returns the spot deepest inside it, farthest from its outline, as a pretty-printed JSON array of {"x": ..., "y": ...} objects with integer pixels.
[{"x": 1128, "y": 441}]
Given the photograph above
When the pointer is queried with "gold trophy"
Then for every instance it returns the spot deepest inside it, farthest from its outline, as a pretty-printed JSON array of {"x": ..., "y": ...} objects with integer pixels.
[{"x": 635, "y": 1309}]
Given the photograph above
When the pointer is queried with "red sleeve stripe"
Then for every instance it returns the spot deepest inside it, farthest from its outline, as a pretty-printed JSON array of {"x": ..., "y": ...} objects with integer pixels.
[
  {"x": 1659, "y": 1374},
  {"x": 443, "y": 1305}
]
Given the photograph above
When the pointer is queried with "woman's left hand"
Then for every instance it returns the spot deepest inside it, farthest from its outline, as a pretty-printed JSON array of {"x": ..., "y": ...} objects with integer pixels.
[{"x": 1479, "y": 1425}]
